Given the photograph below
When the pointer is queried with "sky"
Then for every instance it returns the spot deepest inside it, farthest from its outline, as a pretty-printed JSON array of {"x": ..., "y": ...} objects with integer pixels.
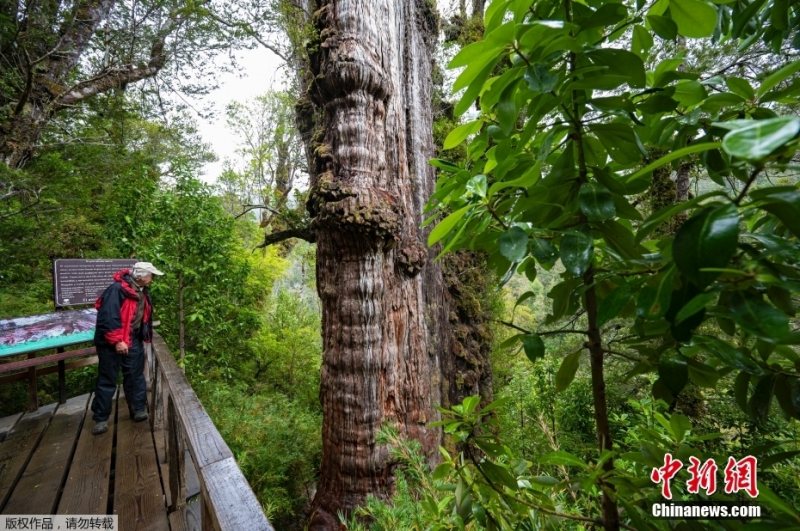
[{"x": 259, "y": 72}]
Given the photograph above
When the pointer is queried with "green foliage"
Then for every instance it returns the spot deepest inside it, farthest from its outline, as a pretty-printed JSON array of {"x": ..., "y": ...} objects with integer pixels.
[
  {"x": 275, "y": 440},
  {"x": 250, "y": 321},
  {"x": 579, "y": 106}
]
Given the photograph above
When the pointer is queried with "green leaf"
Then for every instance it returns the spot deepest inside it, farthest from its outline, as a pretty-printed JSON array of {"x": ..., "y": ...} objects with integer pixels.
[
  {"x": 443, "y": 229},
  {"x": 703, "y": 375},
  {"x": 613, "y": 304},
  {"x": 697, "y": 303},
  {"x": 777, "y": 505},
  {"x": 761, "y": 138},
  {"x": 498, "y": 475},
  {"x": 533, "y": 346},
  {"x": 740, "y": 389},
  {"x": 673, "y": 371},
  {"x": 544, "y": 252},
  {"x": 783, "y": 203},
  {"x": 777, "y": 76},
  {"x": 673, "y": 155},
  {"x": 707, "y": 240},
  {"x": 606, "y": 15},
  {"x": 695, "y": 18},
  {"x": 654, "y": 301},
  {"x": 679, "y": 425},
  {"x": 664, "y": 27},
  {"x": 741, "y": 87},
  {"x": 621, "y": 141},
  {"x": 540, "y": 79},
  {"x": 756, "y": 316},
  {"x": 620, "y": 239},
  {"x": 620, "y": 62},
  {"x": 727, "y": 354},
  {"x": 566, "y": 372},
  {"x": 513, "y": 244},
  {"x": 667, "y": 213},
  {"x": 562, "y": 458},
  {"x": 470, "y": 53},
  {"x": 457, "y": 135},
  {"x": 642, "y": 42},
  {"x": 576, "y": 252},
  {"x": 474, "y": 89},
  {"x": 787, "y": 391},
  {"x": 689, "y": 92},
  {"x": 596, "y": 202},
  {"x": 761, "y": 398}
]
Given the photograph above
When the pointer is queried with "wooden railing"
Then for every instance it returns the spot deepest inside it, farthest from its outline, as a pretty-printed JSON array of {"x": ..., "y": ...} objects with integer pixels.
[{"x": 206, "y": 488}]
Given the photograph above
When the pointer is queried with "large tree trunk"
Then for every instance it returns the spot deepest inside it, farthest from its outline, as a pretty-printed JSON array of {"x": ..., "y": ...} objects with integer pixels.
[{"x": 382, "y": 296}]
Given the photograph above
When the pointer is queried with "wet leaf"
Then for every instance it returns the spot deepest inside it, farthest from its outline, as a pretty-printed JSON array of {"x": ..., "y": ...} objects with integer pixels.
[
  {"x": 761, "y": 138},
  {"x": 707, "y": 240},
  {"x": 596, "y": 202},
  {"x": 513, "y": 244},
  {"x": 576, "y": 252}
]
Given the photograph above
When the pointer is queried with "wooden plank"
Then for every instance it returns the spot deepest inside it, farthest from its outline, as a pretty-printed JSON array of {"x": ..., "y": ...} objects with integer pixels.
[
  {"x": 36, "y": 491},
  {"x": 32, "y": 362},
  {"x": 20, "y": 443},
  {"x": 7, "y": 423},
  {"x": 177, "y": 521},
  {"x": 138, "y": 497},
  {"x": 86, "y": 488},
  {"x": 229, "y": 498},
  {"x": 75, "y": 364}
]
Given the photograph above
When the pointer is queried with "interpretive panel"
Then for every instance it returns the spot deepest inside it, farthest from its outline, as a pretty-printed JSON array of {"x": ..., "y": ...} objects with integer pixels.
[
  {"x": 79, "y": 281},
  {"x": 27, "y": 334}
]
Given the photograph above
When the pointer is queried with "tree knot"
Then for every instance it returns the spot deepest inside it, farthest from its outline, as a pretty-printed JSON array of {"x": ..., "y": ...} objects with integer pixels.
[{"x": 411, "y": 257}]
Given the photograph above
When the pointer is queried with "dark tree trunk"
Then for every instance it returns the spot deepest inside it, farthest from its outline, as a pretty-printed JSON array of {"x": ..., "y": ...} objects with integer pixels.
[{"x": 368, "y": 120}]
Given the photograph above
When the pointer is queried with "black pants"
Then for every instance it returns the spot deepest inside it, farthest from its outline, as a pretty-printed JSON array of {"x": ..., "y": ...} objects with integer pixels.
[{"x": 133, "y": 382}]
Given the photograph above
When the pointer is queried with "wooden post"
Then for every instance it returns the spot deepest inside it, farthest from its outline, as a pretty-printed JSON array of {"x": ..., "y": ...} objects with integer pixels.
[
  {"x": 62, "y": 379},
  {"x": 33, "y": 401},
  {"x": 177, "y": 464},
  {"x": 207, "y": 521}
]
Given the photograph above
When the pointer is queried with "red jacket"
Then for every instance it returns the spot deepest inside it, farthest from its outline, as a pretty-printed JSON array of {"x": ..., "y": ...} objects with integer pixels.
[{"x": 116, "y": 309}]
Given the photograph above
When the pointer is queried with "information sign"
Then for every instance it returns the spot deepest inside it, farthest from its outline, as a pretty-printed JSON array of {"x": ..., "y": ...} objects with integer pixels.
[{"x": 81, "y": 281}]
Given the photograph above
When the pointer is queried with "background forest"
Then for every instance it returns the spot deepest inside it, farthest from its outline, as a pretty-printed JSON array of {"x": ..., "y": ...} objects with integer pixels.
[{"x": 626, "y": 174}]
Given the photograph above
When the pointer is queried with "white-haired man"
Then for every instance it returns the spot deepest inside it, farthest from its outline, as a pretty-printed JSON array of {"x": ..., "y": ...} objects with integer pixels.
[{"x": 124, "y": 324}]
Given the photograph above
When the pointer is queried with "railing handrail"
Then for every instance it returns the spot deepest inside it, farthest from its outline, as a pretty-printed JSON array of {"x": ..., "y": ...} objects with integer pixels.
[{"x": 228, "y": 500}]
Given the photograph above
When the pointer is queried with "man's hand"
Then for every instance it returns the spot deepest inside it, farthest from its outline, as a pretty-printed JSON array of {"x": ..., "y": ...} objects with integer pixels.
[{"x": 122, "y": 347}]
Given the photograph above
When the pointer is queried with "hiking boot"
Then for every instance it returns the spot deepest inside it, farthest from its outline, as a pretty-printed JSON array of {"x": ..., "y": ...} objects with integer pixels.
[
  {"x": 100, "y": 427},
  {"x": 139, "y": 416}
]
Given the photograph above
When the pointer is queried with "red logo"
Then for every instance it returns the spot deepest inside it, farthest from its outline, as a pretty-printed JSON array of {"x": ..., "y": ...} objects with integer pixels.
[{"x": 739, "y": 475}]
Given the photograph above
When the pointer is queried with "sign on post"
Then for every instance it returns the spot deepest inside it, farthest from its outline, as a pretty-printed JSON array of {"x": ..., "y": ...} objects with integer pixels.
[{"x": 80, "y": 281}]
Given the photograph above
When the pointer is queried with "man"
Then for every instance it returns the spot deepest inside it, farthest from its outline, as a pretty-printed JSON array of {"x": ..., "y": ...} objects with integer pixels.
[{"x": 124, "y": 324}]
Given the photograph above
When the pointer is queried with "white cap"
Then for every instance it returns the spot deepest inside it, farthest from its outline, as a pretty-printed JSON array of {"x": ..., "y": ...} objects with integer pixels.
[{"x": 147, "y": 266}]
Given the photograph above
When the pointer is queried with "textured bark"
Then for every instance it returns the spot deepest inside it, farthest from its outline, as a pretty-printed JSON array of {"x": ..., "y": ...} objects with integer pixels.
[{"x": 368, "y": 119}]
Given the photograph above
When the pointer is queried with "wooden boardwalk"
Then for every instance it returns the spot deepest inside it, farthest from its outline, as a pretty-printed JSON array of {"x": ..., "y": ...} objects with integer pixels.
[{"x": 50, "y": 463}]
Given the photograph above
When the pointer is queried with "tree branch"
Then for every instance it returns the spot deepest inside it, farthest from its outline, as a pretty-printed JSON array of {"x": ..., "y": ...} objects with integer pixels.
[{"x": 303, "y": 233}]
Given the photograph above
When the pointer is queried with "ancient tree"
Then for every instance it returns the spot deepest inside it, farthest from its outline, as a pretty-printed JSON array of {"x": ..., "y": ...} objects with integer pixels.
[{"x": 367, "y": 122}]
